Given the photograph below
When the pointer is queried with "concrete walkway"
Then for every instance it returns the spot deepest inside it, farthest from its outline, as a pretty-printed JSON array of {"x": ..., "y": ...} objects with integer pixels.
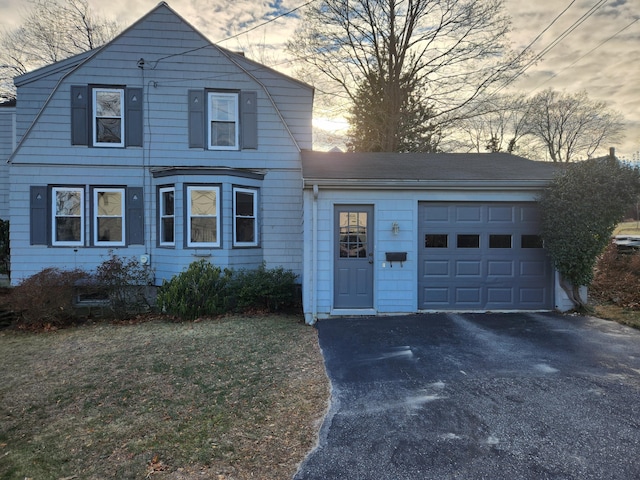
[{"x": 479, "y": 396}]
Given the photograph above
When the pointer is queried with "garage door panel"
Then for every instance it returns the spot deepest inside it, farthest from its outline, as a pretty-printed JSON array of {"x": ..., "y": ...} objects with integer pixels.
[
  {"x": 489, "y": 260},
  {"x": 436, "y": 213},
  {"x": 532, "y": 295},
  {"x": 499, "y": 295},
  {"x": 500, "y": 214},
  {"x": 533, "y": 268},
  {"x": 500, "y": 268},
  {"x": 471, "y": 213},
  {"x": 436, "y": 268},
  {"x": 436, "y": 296},
  {"x": 468, "y": 268},
  {"x": 468, "y": 296}
]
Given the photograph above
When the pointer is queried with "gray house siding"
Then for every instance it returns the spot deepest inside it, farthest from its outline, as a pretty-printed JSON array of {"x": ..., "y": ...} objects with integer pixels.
[
  {"x": 177, "y": 59},
  {"x": 7, "y": 144}
]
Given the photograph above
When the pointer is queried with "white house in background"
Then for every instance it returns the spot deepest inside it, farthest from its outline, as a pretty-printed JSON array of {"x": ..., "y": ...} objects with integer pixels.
[{"x": 165, "y": 147}]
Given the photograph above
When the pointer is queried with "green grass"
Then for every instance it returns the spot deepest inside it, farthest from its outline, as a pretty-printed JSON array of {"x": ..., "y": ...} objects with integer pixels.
[
  {"x": 628, "y": 228},
  {"x": 618, "y": 314},
  {"x": 232, "y": 398}
]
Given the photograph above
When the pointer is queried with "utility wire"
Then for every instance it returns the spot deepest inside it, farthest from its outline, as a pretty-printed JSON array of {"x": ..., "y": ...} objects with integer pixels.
[
  {"x": 599, "y": 4},
  {"x": 586, "y": 54}
]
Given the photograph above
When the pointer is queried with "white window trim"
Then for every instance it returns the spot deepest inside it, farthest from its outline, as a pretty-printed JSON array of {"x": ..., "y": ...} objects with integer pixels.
[
  {"x": 94, "y": 128},
  {"x": 162, "y": 216},
  {"x": 54, "y": 191},
  {"x": 188, "y": 216},
  {"x": 97, "y": 242},
  {"x": 236, "y": 97},
  {"x": 254, "y": 193}
]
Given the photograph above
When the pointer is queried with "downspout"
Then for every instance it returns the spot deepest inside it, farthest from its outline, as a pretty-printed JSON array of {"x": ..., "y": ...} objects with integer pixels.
[{"x": 314, "y": 256}]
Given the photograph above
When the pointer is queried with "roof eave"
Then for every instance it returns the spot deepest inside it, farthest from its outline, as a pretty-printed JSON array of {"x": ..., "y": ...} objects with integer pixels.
[{"x": 477, "y": 185}]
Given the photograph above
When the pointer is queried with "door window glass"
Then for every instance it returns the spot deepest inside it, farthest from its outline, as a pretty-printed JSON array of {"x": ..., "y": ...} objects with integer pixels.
[{"x": 353, "y": 235}]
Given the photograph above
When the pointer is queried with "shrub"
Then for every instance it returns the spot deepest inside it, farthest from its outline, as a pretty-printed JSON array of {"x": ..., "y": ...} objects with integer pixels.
[
  {"x": 204, "y": 290},
  {"x": 125, "y": 282},
  {"x": 46, "y": 298},
  {"x": 617, "y": 278},
  {"x": 200, "y": 290},
  {"x": 264, "y": 289}
]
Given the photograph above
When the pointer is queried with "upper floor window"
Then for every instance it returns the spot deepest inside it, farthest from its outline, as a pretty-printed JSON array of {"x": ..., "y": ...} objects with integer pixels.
[
  {"x": 167, "y": 216},
  {"x": 108, "y": 119},
  {"x": 106, "y": 116},
  {"x": 203, "y": 216},
  {"x": 223, "y": 121},
  {"x": 245, "y": 208},
  {"x": 68, "y": 216},
  {"x": 109, "y": 208}
]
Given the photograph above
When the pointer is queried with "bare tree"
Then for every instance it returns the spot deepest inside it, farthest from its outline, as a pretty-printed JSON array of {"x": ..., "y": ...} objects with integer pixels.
[
  {"x": 50, "y": 31},
  {"x": 447, "y": 51},
  {"x": 572, "y": 126},
  {"x": 499, "y": 124}
]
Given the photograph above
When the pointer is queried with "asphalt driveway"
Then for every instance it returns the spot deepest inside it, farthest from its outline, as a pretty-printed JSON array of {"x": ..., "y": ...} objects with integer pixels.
[{"x": 479, "y": 396}]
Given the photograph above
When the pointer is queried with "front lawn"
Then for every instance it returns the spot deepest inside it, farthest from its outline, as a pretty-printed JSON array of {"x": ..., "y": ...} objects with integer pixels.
[{"x": 236, "y": 398}]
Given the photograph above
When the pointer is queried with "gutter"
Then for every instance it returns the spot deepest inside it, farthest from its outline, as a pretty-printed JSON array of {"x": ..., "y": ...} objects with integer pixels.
[
  {"x": 379, "y": 184},
  {"x": 314, "y": 256}
]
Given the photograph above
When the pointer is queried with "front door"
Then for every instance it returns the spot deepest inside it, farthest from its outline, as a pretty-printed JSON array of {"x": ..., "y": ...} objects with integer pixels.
[{"x": 353, "y": 277}]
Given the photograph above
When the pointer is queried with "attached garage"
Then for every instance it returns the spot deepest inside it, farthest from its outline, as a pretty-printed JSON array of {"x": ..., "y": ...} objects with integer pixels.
[
  {"x": 482, "y": 257},
  {"x": 389, "y": 234}
]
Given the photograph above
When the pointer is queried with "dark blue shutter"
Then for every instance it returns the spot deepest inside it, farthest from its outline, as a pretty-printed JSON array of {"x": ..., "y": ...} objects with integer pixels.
[
  {"x": 38, "y": 213},
  {"x": 79, "y": 115},
  {"x": 249, "y": 119},
  {"x": 135, "y": 216},
  {"x": 133, "y": 117},
  {"x": 197, "y": 104}
]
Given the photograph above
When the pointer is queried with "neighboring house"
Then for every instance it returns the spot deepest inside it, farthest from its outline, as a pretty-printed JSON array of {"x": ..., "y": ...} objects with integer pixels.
[
  {"x": 164, "y": 147},
  {"x": 402, "y": 233},
  {"x": 159, "y": 146},
  {"x": 7, "y": 144}
]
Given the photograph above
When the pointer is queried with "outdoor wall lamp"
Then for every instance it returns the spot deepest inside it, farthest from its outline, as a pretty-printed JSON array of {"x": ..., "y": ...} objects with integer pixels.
[{"x": 395, "y": 228}]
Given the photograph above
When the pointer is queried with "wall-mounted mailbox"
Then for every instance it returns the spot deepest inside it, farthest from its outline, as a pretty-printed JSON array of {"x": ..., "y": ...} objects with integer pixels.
[{"x": 395, "y": 257}]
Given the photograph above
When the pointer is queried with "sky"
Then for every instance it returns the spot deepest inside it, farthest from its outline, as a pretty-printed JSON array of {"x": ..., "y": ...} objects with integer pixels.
[{"x": 601, "y": 53}]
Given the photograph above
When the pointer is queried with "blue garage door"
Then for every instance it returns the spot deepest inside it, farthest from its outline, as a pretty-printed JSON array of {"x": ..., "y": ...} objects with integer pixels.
[{"x": 482, "y": 257}]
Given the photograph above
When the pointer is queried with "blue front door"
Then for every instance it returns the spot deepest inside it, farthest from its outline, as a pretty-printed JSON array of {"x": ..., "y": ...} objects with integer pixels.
[{"x": 353, "y": 260}]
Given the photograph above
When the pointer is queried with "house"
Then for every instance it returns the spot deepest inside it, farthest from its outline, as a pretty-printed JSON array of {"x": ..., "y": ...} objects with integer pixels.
[
  {"x": 403, "y": 233},
  {"x": 7, "y": 145},
  {"x": 165, "y": 147},
  {"x": 159, "y": 146}
]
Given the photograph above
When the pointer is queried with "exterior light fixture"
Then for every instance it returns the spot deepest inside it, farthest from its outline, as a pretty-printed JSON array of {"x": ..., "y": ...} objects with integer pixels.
[{"x": 395, "y": 228}]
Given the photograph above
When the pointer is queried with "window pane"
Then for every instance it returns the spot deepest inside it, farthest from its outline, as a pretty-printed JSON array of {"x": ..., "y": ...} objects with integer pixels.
[
  {"x": 68, "y": 203},
  {"x": 167, "y": 202},
  {"x": 167, "y": 230},
  {"x": 468, "y": 241},
  {"x": 203, "y": 230},
  {"x": 68, "y": 229},
  {"x": 499, "y": 241},
  {"x": 223, "y": 108},
  {"x": 353, "y": 234},
  {"x": 108, "y": 104},
  {"x": 203, "y": 202},
  {"x": 223, "y": 134},
  {"x": 109, "y": 229},
  {"x": 108, "y": 130},
  {"x": 109, "y": 204},
  {"x": 436, "y": 241},
  {"x": 531, "y": 241},
  {"x": 245, "y": 230},
  {"x": 244, "y": 204}
]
